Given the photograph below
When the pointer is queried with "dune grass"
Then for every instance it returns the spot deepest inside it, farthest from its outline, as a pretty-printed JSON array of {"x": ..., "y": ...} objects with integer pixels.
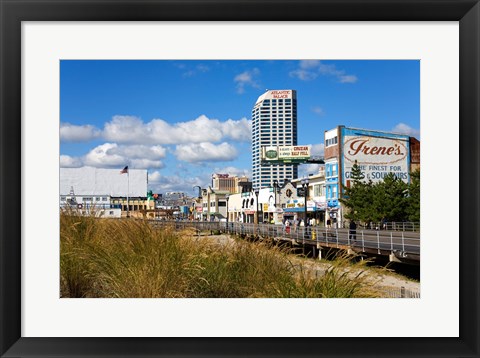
[{"x": 130, "y": 258}]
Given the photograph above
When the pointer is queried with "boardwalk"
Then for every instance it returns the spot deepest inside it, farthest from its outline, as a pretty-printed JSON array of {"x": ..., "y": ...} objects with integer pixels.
[{"x": 399, "y": 246}]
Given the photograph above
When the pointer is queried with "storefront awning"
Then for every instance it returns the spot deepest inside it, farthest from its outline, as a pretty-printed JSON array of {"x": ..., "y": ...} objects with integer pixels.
[{"x": 302, "y": 210}]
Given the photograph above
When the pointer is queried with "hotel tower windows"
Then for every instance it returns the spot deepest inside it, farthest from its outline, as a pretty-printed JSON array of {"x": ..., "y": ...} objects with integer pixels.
[{"x": 274, "y": 123}]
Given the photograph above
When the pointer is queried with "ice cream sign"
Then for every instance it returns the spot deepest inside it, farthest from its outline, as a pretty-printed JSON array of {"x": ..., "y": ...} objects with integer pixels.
[
  {"x": 376, "y": 156},
  {"x": 286, "y": 154}
]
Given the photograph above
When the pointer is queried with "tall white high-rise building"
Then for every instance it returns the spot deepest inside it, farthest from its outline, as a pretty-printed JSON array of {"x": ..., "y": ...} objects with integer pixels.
[{"x": 274, "y": 123}]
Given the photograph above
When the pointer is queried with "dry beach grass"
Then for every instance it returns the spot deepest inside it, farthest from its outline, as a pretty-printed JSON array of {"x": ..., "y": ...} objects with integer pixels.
[{"x": 131, "y": 258}]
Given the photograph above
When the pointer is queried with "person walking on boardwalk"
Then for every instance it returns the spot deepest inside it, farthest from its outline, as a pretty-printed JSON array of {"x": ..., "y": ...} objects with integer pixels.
[{"x": 353, "y": 231}]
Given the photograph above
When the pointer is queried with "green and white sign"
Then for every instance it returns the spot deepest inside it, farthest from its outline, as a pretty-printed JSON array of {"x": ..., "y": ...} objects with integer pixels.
[{"x": 286, "y": 154}]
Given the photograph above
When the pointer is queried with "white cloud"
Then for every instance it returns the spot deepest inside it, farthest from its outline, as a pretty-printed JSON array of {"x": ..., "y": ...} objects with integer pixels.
[
  {"x": 154, "y": 177},
  {"x": 201, "y": 129},
  {"x": 73, "y": 133},
  {"x": 128, "y": 129},
  {"x": 110, "y": 155},
  {"x": 403, "y": 128},
  {"x": 161, "y": 183},
  {"x": 329, "y": 70},
  {"x": 348, "y": 79},
  {"x": 202, "y": 152},
  {"x": 307, "y": 70},
  {"x": 307, "y": 169},
  {"x": 318, "y": 149},
  {"x": 240, "y": 130},
  {"x": 308, "y": 64},
  {"x": 141, "y": 156},
  {"x": 247, "y": 78},
  {"x": 318, "y": 111},
  {"x": 104, "y": 156},
  {"x": 310, "y": 69},
  {"x": 140, "y": 151},
  {"x": 304, "y": 75},
  {"x": 203, "y": 68},
  {"x": 233, "y": 171},
  {"x": 190, "y": 72},
  {"x": 67, "y": 161},
  {"x": 145, "y": 163}
]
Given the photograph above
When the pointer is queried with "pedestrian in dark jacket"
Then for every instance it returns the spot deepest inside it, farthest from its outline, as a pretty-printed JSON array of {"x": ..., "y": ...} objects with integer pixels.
[{"x": 353, "y": 230}]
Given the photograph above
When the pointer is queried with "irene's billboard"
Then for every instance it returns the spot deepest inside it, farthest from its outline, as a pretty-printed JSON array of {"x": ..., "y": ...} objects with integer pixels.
[{"x": 376, "y": 153}]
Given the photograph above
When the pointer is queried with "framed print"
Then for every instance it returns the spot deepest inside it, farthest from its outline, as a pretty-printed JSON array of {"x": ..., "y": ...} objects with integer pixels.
[{"x": 47, "y": 48}]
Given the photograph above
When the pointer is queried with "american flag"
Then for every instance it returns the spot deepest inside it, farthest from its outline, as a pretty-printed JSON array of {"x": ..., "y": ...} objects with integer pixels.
[{"x": 125, "y": 170}]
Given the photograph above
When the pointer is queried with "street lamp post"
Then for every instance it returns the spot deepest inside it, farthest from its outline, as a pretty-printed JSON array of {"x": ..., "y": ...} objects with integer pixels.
[
  {"x": 305, "y": 194},
  {"x": 275, "y": 188},
  {"x": 226, "y": 198},
  {"x": 255, "y": 219}
]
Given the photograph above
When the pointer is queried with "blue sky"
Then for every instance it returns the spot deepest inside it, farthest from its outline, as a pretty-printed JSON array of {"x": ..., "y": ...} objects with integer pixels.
[{"x": 184, "y": 120}]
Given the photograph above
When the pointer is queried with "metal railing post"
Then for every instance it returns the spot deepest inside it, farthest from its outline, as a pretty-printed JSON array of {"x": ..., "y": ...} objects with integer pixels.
[
  {"x": 378, "y": 242},
  {"x": 363, "y": 242},
  {"x": 391, "y": 241},
  {"x": 403, "y": 243}
]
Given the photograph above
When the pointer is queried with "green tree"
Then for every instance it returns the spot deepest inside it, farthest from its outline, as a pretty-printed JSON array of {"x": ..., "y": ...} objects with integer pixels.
[
  {"x": 413, "y": 209},
  {"x": 357, "y": 196},
  {"x": 390, "y": 199},
  {"x": 356, "y": 173}
]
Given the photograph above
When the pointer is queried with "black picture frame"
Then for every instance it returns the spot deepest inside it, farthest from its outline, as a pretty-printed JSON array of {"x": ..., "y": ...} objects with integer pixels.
[{"x": 13, "y": 12}]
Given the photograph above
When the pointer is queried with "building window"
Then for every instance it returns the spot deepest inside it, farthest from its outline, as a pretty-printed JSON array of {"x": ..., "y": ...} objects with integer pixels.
[
  {"x": 317, "y": 190},
  {"x": 331, "y": 141},
  {"x": 334, "y": 191}
]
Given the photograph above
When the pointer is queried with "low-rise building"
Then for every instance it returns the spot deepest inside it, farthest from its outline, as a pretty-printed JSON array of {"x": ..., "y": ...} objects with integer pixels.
[
  {"x": 316, "y": 200},
  {"x": 377, "y": 153},
  {"x": 103, "y": 192},
  {"x": 214, "y": 204},
  {"x": 231, "y": 183}
]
